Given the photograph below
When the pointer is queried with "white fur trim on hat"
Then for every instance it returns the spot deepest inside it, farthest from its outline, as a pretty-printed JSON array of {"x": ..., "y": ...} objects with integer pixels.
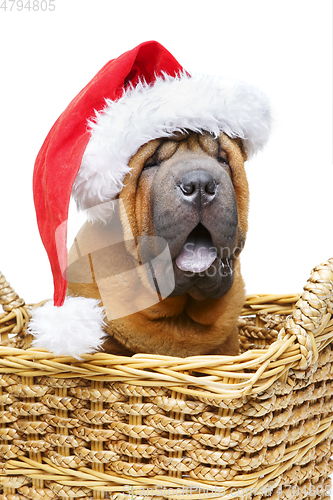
[
  {"x": 145, "y": 112},
  {"x": 73, "y": 329}
]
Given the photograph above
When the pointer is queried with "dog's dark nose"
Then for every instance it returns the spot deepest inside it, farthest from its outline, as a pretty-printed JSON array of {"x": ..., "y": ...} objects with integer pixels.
[{"x": 198, "y": 185}]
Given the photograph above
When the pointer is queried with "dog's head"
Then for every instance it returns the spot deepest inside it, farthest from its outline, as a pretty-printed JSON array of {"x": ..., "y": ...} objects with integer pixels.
[{"x": 191, "y": 191}]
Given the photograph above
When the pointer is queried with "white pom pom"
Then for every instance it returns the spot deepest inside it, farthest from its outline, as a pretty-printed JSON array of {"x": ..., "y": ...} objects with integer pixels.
[{"x": 73, "y": 329}]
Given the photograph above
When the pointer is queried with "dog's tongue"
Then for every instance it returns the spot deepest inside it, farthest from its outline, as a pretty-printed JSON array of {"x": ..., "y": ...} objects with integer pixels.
[{"x": 197, "y": 255}]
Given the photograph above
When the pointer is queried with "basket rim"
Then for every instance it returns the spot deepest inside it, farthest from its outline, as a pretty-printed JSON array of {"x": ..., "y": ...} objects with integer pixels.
[{"x": 307, "y": 331}]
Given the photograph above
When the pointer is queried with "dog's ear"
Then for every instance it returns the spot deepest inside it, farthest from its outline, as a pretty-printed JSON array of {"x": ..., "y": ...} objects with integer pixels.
[{"x": 240, "y": 144}]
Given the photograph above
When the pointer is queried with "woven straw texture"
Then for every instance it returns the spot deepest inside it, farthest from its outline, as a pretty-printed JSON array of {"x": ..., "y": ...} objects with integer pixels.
[{"x": 154, "y": 427}]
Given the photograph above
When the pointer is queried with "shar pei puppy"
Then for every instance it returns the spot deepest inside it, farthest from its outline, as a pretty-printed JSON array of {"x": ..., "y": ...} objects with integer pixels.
[
  {"x": 191, "y": 191},
  {"x": 155, "y": 157}
]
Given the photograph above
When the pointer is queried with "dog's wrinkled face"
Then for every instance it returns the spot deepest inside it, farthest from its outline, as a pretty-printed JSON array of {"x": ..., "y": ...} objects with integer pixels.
[{"x": 191, "y": 190}]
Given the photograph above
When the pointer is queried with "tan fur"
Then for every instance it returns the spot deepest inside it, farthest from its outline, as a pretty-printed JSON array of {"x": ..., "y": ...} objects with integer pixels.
[{"x": 176, "y": 326}]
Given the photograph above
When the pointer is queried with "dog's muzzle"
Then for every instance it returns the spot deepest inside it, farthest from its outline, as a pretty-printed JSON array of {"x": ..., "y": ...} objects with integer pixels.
[{"x": 195, "y": 210}]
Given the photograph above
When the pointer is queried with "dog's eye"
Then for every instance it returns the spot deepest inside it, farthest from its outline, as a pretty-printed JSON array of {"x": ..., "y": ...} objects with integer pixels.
[{"x": 151, "y": 162}]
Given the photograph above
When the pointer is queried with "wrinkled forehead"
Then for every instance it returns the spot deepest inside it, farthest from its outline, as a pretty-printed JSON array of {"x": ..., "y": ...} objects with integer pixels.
[{"x": 182, "y": 142}]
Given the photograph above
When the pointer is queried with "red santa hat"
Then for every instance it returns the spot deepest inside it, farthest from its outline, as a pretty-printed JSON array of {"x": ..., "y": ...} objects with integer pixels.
[{"x": 142, "y": 95}]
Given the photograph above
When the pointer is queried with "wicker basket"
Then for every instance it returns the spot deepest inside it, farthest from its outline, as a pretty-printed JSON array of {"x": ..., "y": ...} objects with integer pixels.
[{"x": 251, "y": 426}]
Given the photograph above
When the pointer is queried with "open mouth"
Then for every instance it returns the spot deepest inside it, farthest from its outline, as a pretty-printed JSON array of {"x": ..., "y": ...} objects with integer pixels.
[{"x": 198, "y": 252}]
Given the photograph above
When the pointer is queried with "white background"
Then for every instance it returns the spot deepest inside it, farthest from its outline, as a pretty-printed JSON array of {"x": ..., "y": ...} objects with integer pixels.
[{"x": 282, "y": 46}]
